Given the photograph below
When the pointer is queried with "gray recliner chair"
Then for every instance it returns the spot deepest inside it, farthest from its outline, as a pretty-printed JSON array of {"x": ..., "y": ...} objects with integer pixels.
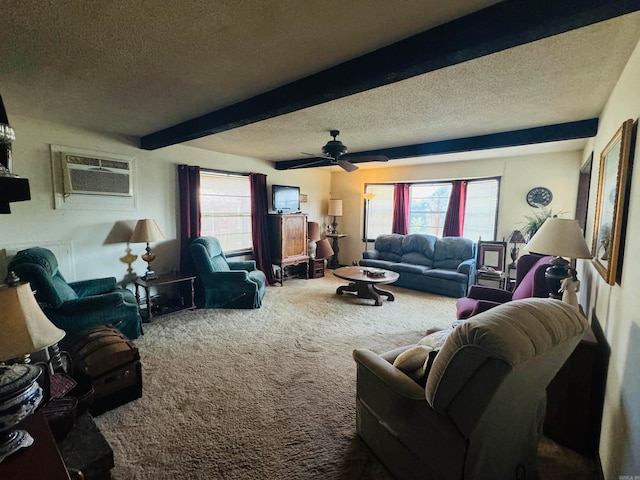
[{"x": 480, "y": 415}]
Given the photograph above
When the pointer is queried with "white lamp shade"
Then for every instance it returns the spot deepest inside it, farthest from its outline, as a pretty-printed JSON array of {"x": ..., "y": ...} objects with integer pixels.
[
  {"x": 335, "y": 208},
  {"x": 368, "y": 196},
  {"x": 560, "y": 237},
  {"x": 25, "y": 328},
  {"x": 146, "y": 230}
]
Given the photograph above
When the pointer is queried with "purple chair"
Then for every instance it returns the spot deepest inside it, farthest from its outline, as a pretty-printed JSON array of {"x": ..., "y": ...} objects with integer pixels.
[{"x": 530, "y": 282}]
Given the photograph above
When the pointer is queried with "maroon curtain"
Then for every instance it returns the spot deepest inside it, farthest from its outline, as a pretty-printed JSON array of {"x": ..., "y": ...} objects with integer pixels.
[
  {"x": 400, "y": 208},
  {"x": 454, "y": 220},
  {"x": 259, "y": 233},
  {"x": 189, "y": 191}
]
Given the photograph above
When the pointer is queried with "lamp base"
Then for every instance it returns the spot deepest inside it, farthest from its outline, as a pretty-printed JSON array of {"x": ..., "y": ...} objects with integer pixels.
[
  {"x": 150, "y": 275},
  {"x": 555, "y": 274},
  {"x": 11, "y": 442}
]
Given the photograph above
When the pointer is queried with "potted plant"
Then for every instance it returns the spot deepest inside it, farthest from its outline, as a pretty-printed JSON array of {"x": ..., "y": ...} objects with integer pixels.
[{"x": 534, "y": 221}]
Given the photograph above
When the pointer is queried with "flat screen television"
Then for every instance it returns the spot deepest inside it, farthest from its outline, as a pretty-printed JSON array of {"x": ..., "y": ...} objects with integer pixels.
[{"x": 285, "y": 199}]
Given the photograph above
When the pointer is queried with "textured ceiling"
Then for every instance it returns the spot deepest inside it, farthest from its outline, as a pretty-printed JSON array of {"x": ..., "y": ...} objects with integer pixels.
[{"x": 133, "y": 68}]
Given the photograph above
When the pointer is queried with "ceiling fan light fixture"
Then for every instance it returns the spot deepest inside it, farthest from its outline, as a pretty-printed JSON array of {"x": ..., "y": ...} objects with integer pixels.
[{"x": 334, "y": 148}]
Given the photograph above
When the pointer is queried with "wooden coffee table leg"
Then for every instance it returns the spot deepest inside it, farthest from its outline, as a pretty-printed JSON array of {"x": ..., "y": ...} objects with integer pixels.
[
  {"x": 386, "y": 293},
  {"x": 351, "y": 288},
  {"x": 367, "y": 291}
]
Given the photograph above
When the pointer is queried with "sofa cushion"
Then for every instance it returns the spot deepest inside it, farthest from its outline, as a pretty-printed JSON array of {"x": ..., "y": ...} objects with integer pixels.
[
  {"x": 451, "y": 251},
  {"x": 390, "y": 247},
  {"x": 418, "y": 248},
  {"x": 386, "y": 264},
  {"x": 408, "y": 268},
  {"x": 445, "y": 274}
]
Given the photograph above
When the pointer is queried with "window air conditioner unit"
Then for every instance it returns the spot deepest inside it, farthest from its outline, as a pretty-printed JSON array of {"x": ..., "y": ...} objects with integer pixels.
[{"x": 96, "y": 176}]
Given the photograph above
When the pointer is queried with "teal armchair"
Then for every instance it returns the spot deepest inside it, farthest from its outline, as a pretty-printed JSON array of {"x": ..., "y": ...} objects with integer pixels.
[
  {"x": 226, "y": 284},
  {"x": 76, "y": 306}
]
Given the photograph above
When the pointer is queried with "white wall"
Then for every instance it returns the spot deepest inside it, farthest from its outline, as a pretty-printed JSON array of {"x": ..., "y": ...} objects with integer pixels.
[
  {"x": 557, "y": 171},
  {"x": 96, "y": 239},
  {"x": 617, "y": 307}
]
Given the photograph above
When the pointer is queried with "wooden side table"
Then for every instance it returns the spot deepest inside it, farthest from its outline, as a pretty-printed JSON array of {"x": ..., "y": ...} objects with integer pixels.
[
  {"x": 316, "y": 267},
  {"x": 333, "y": 262},
  {"x": 163, "y": 280},
  {"x": 574, "y": 402},
  {"x": 40, "y": 460}
]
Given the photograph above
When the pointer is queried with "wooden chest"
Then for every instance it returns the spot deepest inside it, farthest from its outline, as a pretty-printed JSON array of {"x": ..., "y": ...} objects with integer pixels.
[{"x": 110, "y": 361}]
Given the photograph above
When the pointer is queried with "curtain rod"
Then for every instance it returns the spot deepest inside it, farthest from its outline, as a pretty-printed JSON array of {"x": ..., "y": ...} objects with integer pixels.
[{"x": 225, "y": 172}]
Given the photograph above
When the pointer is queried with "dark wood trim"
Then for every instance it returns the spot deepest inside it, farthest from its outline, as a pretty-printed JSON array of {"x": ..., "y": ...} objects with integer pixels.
[
  {"x": 582, "y": 200},
  {"x": 550, "y": 133},
  {"x": 499, "y": 27}
]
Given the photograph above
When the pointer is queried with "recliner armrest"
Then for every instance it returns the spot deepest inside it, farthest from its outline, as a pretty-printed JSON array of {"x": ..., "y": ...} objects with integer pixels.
[
  {"x": 249, "y": 265},
  {"x": 94, "y": 286},
  {"x": 467, "y": 266},
  {"x": 480, "y": 292},
  {"x": 388, "y": 374},
  {"x": 371, "y": 254},
  {"x": 93, "y": 303}
]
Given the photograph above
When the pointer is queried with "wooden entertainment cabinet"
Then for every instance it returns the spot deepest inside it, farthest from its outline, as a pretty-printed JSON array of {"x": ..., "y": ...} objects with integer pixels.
[{"x": 288, "y": 242}]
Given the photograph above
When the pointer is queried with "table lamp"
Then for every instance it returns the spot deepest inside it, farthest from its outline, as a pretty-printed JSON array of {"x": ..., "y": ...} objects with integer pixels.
[
  {"x": 147, "y": 230},
  {"x": 313, "y": 234},
  {"x": 335, "y": 210},
  {"x": 560, "y": 237},
  {"x": 25, "y": 330},
  {"x": 516, "y": 238}
]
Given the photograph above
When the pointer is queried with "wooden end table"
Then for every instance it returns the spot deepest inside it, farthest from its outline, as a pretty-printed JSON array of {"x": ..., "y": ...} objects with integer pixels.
[
  {"x": 333, "y": 261},
  {"x": 363, "y": 285},
  {"x": 161, "y": 280}
]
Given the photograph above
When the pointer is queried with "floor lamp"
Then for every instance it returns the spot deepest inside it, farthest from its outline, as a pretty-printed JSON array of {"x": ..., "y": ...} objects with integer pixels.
[{"x": 367, "y": 199}]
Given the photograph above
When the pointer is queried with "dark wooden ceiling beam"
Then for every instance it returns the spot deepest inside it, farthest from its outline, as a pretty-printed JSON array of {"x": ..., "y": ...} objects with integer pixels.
[
  {"x": 529, "y": 136},
  {"x": 496, "y": 28}
]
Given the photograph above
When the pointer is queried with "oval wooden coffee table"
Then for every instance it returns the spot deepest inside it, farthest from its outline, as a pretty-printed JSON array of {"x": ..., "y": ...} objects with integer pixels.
[{"x": 363, "y": 285}]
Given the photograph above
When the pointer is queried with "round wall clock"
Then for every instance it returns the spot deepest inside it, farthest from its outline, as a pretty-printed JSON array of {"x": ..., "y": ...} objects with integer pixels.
[{"x": 539, "y": 197}]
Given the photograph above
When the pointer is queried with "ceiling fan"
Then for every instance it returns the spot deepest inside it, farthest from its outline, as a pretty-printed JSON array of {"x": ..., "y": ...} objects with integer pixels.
[{"x": 335, "y": 153}]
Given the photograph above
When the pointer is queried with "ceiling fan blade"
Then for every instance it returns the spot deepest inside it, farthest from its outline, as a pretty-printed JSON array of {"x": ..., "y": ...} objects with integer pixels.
[
  {"x": 318, "y": 161},
  {"x": 348, "y": 166},
  {"x": 317, "y": 156},
  {"x": 367, "y": 158}
]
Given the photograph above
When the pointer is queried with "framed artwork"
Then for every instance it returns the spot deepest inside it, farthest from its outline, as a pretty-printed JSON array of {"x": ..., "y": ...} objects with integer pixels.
[
  {"x": 491, "y": 255},
  {"x": 612, "y": 192}
]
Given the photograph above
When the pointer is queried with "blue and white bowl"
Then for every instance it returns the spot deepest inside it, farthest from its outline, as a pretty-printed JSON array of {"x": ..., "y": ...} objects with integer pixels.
[{"x": 20, "y": 394}]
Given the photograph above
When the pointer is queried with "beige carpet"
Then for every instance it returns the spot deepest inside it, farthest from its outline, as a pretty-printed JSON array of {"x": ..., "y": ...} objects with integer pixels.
[{"x": 268, "y": 393}]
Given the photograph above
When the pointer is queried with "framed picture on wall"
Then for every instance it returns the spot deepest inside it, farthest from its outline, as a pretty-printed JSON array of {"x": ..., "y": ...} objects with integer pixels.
[{"x": 613, "y": 186}]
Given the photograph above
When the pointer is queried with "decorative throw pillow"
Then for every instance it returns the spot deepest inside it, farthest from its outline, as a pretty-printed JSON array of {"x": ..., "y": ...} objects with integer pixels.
[
  {"x": 436, "y": 339},
  {"x": 413, "y": 362}
]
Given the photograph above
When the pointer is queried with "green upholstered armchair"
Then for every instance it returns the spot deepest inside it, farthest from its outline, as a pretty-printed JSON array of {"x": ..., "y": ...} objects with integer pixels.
[
  {"x": 79, "y": 305},
  {"x": 226, "y": 284}
]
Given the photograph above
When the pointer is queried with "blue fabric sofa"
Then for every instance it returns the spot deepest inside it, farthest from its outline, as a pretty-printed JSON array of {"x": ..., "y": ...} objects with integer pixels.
[{"x": 445, "y": 266}]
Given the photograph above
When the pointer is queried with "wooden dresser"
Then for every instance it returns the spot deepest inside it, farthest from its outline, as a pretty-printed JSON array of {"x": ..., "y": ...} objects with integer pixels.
[{"x": 288, "y": 242}]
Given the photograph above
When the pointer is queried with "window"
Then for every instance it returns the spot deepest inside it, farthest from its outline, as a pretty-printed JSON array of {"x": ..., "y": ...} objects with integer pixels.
[
  {"x": 225, "y": 202},
  {"x": 428, "y": 208},
  {"x": 481, "y": 209},
  {"x": 380, "y": 210}
]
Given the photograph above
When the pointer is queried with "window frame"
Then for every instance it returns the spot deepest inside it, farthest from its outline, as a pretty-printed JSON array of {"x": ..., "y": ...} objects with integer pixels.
[
  {"x": 225, "y": 173},
  {"x": 498, "y": 180}
]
